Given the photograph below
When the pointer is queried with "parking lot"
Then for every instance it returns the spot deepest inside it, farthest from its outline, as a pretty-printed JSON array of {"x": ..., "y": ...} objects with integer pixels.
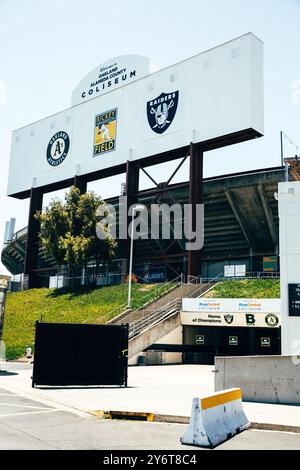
[{"x": 29, "y": 424}]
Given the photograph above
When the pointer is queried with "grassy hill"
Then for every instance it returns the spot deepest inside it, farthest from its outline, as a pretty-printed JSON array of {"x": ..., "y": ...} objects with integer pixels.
[
  {"x": 23, "y": 309},
  {"x": 246, "y": 289}
]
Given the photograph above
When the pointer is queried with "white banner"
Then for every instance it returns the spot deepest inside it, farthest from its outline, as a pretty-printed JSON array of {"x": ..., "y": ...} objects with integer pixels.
[
  {"x": 210, "y": 305},
  {"x": 260, "y": 320}
]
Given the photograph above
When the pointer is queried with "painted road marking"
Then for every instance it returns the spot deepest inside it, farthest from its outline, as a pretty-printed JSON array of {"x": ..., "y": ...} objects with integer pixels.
[
  {"x": 28, "y": 413},
  {"x": 25, "y": 406},
  {"x": 9, "y": 395}
]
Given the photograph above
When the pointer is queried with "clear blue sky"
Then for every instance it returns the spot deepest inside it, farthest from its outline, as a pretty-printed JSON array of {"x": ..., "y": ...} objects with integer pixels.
[{"x": 46, "y": 48}]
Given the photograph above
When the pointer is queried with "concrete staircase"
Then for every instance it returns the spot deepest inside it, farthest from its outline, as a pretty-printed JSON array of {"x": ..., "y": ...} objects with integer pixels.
[
  {"x": 158, "y": 318},
  {"x": 179, "y": 290}
]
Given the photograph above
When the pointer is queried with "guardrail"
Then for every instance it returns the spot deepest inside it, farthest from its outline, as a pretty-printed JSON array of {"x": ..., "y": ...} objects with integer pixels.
[
  {"x": 221, "y": 277},
  {"x": 263, "y": 275}
]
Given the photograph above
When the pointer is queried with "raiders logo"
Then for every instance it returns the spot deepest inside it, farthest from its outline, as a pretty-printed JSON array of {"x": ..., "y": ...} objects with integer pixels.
[
  {"x": 228, "y": 319},
  {"x": 161, "y": 111},
  {"x": 58, "y": 148}
]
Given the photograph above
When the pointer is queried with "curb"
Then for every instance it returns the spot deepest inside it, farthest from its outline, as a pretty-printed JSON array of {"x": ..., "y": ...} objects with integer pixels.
[
  {"x": 171, "y": 419},
  {"x": 126, "y": 415},
  {"x": 275, "y": 427}
]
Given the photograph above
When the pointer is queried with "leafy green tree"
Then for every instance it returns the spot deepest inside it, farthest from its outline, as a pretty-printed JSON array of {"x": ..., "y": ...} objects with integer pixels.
[{"x": 68, "y": 230}]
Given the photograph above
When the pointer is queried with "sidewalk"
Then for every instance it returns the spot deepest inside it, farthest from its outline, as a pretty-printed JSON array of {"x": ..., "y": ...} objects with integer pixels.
[{"x": 163, "y": 390}]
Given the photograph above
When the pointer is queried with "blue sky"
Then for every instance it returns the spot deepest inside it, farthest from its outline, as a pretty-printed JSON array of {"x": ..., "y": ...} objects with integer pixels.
[{"x": 46, "y": 48}]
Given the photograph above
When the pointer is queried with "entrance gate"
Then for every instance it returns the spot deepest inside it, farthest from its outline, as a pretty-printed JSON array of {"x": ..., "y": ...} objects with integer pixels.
[
  {"x": 80, "y": 354},
  {"x": 203, "y": 344}
]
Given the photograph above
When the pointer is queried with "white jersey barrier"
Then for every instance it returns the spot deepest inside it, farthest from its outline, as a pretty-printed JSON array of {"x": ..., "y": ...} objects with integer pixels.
[{"x": 215, "y": 419}]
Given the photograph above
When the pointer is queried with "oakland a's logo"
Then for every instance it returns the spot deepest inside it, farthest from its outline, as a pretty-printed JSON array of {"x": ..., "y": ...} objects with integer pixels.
[
  {"x": 58, "y": 148},
  {"x": 161, "y": 111},
  {"x": 272, "y": 320}
]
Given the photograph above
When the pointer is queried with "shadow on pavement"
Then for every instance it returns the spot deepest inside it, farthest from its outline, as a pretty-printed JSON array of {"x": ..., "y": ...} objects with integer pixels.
[
  {"x": 5, "y": 372},
  {"x": 80, "y": 387}
]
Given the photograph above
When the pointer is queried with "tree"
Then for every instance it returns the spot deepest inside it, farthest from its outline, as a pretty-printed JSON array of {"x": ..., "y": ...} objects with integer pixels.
[{"x": 68, "y": 230}]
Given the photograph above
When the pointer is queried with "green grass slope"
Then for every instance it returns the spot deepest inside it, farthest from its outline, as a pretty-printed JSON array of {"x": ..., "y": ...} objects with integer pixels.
[
  {"x": 246, "y": 289},
  {"x": 23, "y": 309}
]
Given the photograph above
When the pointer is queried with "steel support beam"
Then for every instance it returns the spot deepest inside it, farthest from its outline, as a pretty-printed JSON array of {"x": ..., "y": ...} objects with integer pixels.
[
  {"x": 195, "y": 197},
  {"x": 32, "y": 246},
  {"x": 237, "y": 215},
  {"x": 269, "y": 217},
  {"x": 132, "y": 189},
  {"x": 80, "y": 182}
]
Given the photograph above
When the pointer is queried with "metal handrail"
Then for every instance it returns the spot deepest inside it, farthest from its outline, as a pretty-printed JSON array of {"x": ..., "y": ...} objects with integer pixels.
[
  {"x": 221, "y": 277},
  {"x": 177, "y": 281},
  {"x": 142, "y": 324},
  {"x": 208, "y": 282},
  {"x": 263, "y": 275},
  {"x": 171, "y": 308},
  {"x": 165, "y": 289},
  {"x": 107, "y": 317},
  {"x": 203, "y": 280}
]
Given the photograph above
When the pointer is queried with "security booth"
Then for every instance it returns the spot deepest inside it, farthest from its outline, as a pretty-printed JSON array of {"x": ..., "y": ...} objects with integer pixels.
[
  {"x": 80, "y": 354},
  {"x": 229, "y": 327}
]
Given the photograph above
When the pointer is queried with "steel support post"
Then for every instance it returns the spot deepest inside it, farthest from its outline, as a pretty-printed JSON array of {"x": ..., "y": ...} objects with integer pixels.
[
  {"x": 32, "y": 246},
  {"x": 80, "y": 182},
  {"x": 195, "y": 197},
  {"x": 132, "y": 188}
]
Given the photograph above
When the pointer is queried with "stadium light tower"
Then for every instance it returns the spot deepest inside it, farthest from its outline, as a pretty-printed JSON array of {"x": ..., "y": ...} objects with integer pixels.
[{"x": 135, "y": 208}]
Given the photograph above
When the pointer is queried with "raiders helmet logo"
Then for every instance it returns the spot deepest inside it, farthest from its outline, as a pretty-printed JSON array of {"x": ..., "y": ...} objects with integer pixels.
[
  {"x": 161, "y": 111},
  {"x": 229, "y": 319}
]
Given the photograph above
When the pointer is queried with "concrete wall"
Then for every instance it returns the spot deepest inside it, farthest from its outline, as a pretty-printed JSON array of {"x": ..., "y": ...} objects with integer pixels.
[
  {"x": 289, "y": 218},
  {"x": 265, "y": 379},
  {"x": 174, "y": 337}
]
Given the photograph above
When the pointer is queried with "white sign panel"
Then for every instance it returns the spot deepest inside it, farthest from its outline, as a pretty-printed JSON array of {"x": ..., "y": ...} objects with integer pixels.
[
  {"x": 209, "y": 305},
  {"x": 240, "y": 270},
  {"x": 231, "y": 319},
  {"x": 110, "y": 75},
  {"x": 212, "y": 95},
  {"x": 229, "y": 271}
]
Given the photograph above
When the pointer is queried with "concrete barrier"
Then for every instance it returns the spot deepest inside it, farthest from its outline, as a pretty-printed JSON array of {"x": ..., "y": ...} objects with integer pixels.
[
  {"x": 264, "y": 379},
  {"x": 215, "y": 419}
]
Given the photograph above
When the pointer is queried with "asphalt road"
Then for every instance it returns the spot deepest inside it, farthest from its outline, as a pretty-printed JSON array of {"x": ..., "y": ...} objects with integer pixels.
[{"x": 27, "y": 424}]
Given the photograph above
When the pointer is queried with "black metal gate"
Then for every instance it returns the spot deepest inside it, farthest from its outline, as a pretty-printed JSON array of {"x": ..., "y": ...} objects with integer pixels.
[{"x": 80, "y": 354}]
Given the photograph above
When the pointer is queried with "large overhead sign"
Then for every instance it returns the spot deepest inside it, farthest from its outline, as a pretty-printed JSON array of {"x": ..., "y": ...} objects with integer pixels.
[{"x": 207, "y": 98}]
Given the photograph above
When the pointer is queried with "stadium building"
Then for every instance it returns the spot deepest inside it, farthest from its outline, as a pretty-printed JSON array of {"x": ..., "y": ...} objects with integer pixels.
[
  {"x": 124, "y": 118},
  {"x": 240, "y": 228}
]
